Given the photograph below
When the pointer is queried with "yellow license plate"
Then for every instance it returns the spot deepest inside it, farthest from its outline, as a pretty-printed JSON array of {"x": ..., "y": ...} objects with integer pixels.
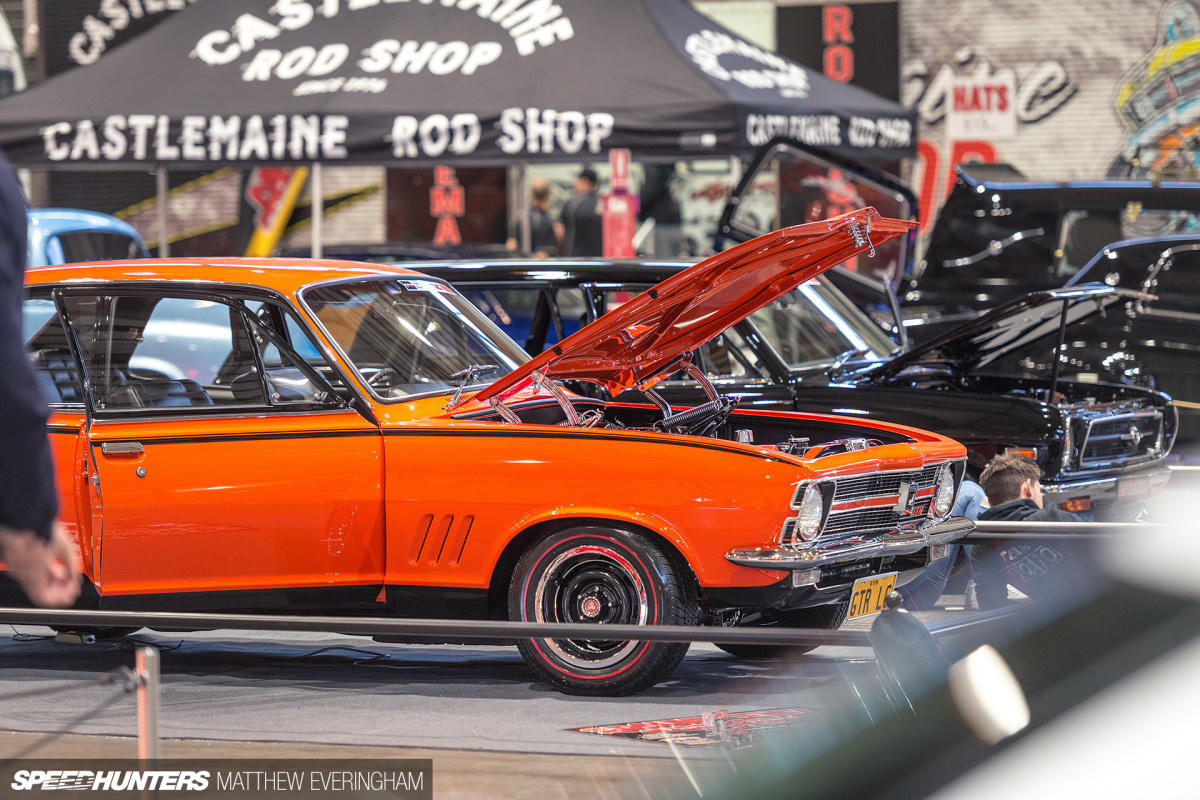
[{"x": 867, "y": 597}]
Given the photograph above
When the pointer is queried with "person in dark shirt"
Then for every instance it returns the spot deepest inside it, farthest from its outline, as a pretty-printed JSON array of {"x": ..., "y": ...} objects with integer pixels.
[
  {"x": 579, "y": 224},
  {"x": 543, "y": 239},
  {"x": 36, "y": 551},
  {"x": 1013, "y": 486}
]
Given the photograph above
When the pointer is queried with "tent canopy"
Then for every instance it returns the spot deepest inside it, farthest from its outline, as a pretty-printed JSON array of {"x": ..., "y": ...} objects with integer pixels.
[{"x": 416, "y": 82}]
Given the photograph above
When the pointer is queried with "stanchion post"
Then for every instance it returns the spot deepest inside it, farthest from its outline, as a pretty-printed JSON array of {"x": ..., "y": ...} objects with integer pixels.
[{"x": 149, "y": 747}]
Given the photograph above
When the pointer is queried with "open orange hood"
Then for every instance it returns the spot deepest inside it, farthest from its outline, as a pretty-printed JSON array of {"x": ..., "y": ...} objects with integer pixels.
[{"x": 629, "y": 345}]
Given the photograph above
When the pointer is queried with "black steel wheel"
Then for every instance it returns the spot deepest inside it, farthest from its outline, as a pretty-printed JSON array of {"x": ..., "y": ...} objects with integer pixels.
[
  {"x": 599, "y": 576},
  {"x": 827, "y": 617}
]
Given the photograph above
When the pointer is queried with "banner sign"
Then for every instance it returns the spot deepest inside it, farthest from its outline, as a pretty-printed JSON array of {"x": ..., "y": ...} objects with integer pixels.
[
  {"x": 983, "y": 108},
  {"x": 76, "y": 33},
  {"x": 856, "y": 43},
  {"x": 420, "y": 83}
]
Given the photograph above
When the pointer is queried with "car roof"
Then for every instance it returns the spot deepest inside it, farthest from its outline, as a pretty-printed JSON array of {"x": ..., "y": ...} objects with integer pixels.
[
  {"x": 64, "y": 220},
  {"x": 286, "y": 275},
  {"x": 557, "y": 271}
]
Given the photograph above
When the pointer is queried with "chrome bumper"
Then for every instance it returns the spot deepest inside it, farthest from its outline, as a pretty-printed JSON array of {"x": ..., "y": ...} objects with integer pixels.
[
  {"x": 900, "y": 543},
  {"x": 1102, "y": 489}
]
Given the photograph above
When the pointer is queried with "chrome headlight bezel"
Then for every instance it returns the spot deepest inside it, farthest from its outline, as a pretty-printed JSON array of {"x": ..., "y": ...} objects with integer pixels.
[
  {"x": 946, "y": 489},
  {"x": 811, "y": 503}
]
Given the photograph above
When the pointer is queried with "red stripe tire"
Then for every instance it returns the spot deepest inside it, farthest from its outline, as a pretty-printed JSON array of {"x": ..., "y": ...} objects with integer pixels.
[{"x": 602, "y": 576}]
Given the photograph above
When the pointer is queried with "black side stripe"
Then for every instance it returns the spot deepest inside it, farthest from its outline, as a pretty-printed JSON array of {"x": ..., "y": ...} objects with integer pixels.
[
  {"x": 241, "y": 437},
  {"x": 566, "y": 434}
]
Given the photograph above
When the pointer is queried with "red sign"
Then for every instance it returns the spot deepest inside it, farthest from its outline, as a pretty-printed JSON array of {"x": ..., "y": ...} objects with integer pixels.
[
  {"x": 620, "y": 223},
  {"x": 618, "y": 162},
  {"x": 264, "y": 192},
  {"x": 447, "y": 202}
]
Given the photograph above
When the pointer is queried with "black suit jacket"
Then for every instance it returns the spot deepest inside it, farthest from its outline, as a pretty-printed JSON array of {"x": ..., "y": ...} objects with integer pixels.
[{"x": 28, "y": 500}]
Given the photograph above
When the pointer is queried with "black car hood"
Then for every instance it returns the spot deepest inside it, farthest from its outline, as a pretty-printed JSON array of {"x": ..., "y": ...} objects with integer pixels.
[{"x": 1016, "y": 324}]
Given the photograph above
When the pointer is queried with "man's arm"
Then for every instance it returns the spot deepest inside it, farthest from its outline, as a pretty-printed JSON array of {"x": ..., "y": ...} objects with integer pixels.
[
  {"x": 38, "y": 554},
  {"x": 48, "y": 571}
]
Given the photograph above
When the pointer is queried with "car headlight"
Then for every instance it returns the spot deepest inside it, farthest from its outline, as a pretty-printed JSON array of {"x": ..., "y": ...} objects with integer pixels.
[
  {"x": 943, "y": 501},
  {"x": 812, "y": 513}
]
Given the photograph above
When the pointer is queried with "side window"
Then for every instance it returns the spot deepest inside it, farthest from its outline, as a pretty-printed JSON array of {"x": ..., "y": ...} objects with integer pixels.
[
  {"x": 164, "y": 353},
  {"x": 285, "y": 381},
  {"x": 46, "y": 339},
  {"x": 1174, "y": 284},
  {"x": 1085, "y": 233},
  {"x": 728, "y": 356},
  {"x": 522, "y": 312}
]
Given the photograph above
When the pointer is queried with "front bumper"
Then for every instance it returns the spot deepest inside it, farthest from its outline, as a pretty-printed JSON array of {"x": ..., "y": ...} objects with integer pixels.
[
  {"x": 1108, "y": 491},
  {"x": 902, "y": 542}
]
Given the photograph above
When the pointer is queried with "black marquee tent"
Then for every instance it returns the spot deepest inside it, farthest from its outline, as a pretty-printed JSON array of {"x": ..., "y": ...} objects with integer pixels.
[{"x": 417, "y": 82}]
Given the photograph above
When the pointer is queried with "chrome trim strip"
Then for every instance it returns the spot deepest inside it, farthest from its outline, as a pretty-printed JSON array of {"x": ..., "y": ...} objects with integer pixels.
[{"x": 900, "y": 543}]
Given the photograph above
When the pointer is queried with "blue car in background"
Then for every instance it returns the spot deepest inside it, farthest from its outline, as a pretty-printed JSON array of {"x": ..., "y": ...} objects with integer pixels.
[{"x": 68, "y": 235}]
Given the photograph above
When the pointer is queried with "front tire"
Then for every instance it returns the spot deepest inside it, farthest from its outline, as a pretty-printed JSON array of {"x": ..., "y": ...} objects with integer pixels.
[
  {"x": 602, "y": 576},
  {"x": 827, "y": 617}
]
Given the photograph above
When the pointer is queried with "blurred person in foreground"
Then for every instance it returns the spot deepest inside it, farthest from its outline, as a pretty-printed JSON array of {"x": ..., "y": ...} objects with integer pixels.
[
  {"x": 1013, "y": 486},
  {"x": 35, "y": 549},
  {"x": 543, "y": 239}
]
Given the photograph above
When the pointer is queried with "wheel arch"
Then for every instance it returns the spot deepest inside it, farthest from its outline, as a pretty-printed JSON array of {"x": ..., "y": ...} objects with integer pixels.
[{"x": 497, "y": 596}]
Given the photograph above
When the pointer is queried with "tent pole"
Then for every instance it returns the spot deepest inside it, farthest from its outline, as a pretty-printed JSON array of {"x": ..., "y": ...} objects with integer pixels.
[
  {"x": 164, "y": 241},
  {"x": 318, "y": 208},
  {"x": 526, "y": 213}
]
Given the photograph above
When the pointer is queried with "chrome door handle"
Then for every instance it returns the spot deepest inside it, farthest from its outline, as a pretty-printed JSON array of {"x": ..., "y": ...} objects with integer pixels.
[{"x": 122, "y": 448}]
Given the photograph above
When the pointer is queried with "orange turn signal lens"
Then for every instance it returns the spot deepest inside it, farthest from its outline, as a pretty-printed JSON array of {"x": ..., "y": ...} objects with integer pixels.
[
  {"x": 1028, "y": 452},
  {"x": 1076, "y": 505}
]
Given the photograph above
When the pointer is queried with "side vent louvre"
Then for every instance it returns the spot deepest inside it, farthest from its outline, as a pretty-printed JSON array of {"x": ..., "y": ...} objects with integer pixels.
[{"x": 441, "y": 542}]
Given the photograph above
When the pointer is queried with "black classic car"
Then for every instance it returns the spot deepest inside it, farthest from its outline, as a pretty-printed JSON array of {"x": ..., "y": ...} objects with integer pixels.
[
  {"x": 1100, "y": 445},
  {"x": 999, "y": 235},
  {"x": 1152, "y": 340}
]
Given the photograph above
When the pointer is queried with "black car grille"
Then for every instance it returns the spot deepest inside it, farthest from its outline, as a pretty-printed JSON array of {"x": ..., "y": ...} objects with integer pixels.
[{"x": 1126, "y": 438}]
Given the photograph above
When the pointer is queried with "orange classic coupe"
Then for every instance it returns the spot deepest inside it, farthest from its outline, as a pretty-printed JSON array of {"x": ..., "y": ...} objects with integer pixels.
[{"x": 332, "y": 437}]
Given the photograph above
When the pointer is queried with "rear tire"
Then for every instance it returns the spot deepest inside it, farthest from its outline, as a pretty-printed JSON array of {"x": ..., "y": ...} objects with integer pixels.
[
  {"x": 827, "y": 617},
  {"x": 602, "y": 575}
]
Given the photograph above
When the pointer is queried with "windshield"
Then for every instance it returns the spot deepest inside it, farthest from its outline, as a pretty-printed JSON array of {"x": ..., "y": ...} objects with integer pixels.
[
  {"x": 815, "y": 323},
  {"x": 792, "y": 187},
  {"x": 409, "y": 337}
]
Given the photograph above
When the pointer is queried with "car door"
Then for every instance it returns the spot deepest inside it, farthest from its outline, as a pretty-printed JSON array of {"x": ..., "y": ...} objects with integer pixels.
[
  {"x": 223, "y": 460},
  {"x": 47, "y": 339}
]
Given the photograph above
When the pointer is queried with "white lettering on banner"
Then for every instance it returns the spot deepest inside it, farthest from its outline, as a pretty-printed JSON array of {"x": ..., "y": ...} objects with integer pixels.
[
  {"x": 442, "y": 59},
  {"x": 432, "y": 136},
  {"x": 530, "y": 23},
  {"x": 112, "y": 17},
  {"x": 706, "y": 48},
  {"x": 535, "y": 130},
  {"x": 818, "y": 129},
  {"x": 214, "y": 138}
]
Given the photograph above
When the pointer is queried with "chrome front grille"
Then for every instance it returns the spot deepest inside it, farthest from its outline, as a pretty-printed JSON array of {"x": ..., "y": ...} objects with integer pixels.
[
  {"x": 882, "y": 483},
  {"x": 1122, "y": 439},
  {"x": 862, "y": 521},
  {"x": 893, "y": 506}
]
